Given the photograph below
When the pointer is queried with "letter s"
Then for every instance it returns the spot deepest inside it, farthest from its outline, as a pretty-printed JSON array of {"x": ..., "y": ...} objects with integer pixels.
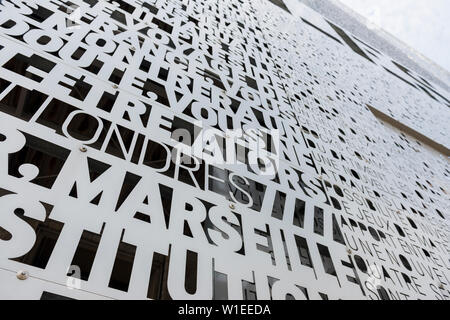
[
  {"x": 233, "y": 241},
  {"x": 249, "y": 204},
  {"x": 23, "y": 235}
]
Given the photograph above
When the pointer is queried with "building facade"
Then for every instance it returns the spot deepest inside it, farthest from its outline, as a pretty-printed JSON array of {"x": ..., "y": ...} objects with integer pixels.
[{"x": 205, "y": 149}]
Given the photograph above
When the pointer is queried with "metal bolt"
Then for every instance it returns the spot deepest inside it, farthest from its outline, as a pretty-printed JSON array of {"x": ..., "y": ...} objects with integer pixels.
[
  {"x": 441, "y": 286},
  {"x": 232, "y": 207},
  {"x": 349, "y": 251},
  {"x": 115, "y": 86},
  {"x": 22, "y": 275},
  {"x": 83, "y": 149}
]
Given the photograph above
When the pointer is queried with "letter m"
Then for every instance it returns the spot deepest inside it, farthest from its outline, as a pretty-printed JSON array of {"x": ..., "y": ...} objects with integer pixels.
[{"x": 90, "y": 181}]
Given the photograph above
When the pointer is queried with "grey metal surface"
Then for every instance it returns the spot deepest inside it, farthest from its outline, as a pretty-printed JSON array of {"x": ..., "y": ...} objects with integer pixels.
[{"x": 383, "y": 41}]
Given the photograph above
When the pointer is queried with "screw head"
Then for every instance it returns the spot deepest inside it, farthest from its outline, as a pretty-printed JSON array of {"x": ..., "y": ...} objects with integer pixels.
[
  {"x": 115, "y": 86},
  {"x": 83, "y": 149},
  {"x": 22, "y": 275},
  {"x": 441, "y": 286},
  {"x": 349, "y": 251},
  {"x": 232, "y": 206}
]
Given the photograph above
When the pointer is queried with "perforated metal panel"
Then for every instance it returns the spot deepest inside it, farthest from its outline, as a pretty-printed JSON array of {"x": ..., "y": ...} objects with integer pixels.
[{"x": 204, "y": 149}]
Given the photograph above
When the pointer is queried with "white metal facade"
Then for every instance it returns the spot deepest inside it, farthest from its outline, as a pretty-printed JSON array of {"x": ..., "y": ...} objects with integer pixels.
[{"x": 205, "y": 149}]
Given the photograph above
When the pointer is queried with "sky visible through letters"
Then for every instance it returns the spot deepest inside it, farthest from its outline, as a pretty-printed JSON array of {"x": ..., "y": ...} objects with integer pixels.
[{"x": 423, "y": 25}]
